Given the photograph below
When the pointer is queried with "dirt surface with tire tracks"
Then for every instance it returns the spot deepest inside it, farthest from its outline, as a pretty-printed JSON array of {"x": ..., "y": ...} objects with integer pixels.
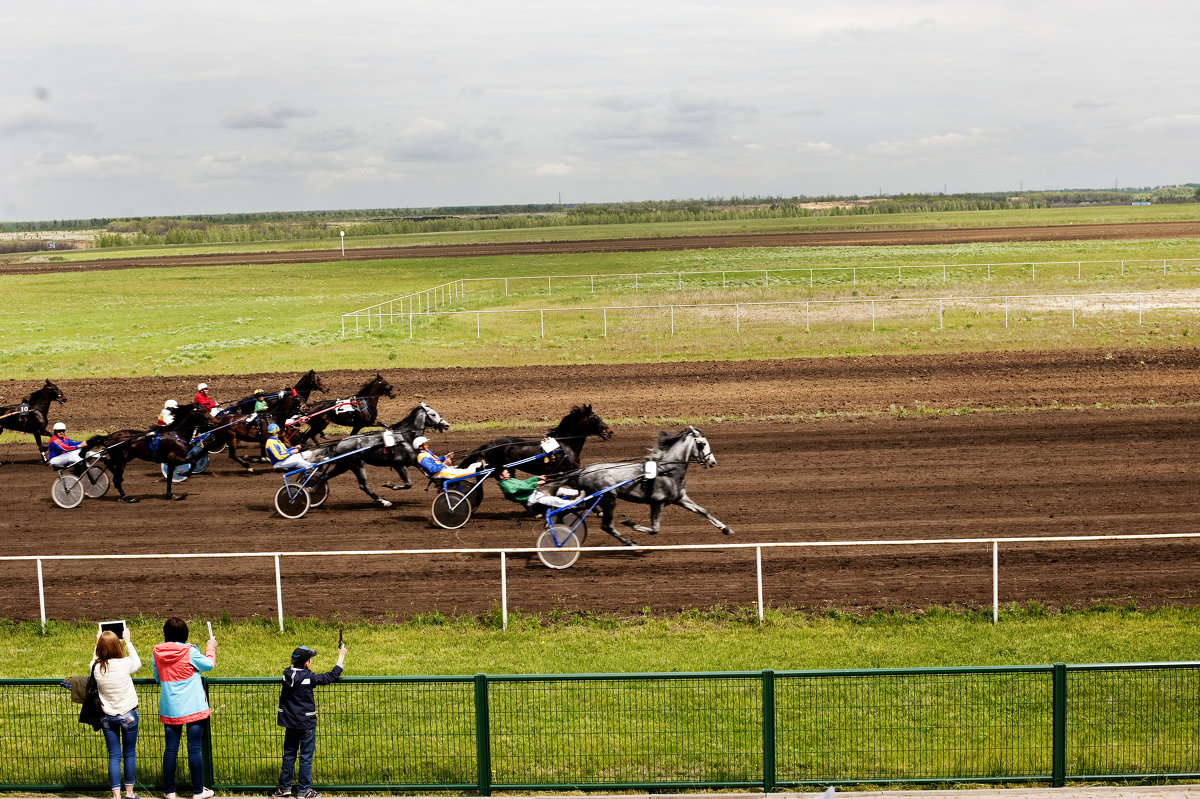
[
  {"x": 881, "y": 238},
  {"x": 826, "y": 450}
]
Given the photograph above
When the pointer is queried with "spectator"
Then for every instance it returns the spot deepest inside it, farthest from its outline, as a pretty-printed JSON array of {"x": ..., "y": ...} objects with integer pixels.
[
  {"x": 181, "y": 702},
  {"x": 119, "y": 701},
  {"x": 298, "y": 717}
]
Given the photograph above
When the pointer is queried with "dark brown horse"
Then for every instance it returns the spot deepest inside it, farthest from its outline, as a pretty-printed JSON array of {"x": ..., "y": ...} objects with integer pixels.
[
  {"x": 170, "y": 445},
  {"x": 309, "y": 382},
  {"x": 30, "y": 415},
  {"x": 229, "y": 430},
  {"x": 357, "y": 412},
  {"x": 570, "y": 433}
]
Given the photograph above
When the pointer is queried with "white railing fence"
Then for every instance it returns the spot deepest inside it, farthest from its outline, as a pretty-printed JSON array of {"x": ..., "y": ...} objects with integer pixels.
[
  {"x": 438, "y": 297},
  {"x": 993, "y": 545}
]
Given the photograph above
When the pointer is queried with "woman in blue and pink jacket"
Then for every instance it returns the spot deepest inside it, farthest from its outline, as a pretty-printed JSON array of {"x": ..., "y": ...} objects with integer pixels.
[{"x": 181, "y": 701}]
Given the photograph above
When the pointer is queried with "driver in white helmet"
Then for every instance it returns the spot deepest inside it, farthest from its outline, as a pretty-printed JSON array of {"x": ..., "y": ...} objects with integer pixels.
[
  {"x": 204, "y": 401},
  {"x": 166, "y": 417},
  {"x": 439, "y": 468},
  {"x": 63, "y": 452}
]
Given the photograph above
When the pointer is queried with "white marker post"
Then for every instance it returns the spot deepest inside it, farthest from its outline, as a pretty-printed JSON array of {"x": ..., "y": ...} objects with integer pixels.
[{"x": 343, "y": 233}]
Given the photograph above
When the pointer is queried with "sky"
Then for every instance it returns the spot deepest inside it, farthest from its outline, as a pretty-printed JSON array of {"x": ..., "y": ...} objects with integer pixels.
[{"x": 153, "y": 109}]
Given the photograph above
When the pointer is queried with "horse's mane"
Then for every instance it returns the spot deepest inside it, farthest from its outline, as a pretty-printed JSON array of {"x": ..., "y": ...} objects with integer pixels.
[
  {"x": 666, "y": 440},
  {"x": 47, "y": 388},
  {"x": 577, "y": 413},
  {"x": 378, "y": 378}
]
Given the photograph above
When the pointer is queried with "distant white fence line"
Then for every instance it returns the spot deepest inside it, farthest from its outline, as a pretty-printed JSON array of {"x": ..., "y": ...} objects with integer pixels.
[
  {"x": 1127, "y": 301},
  {"x": 505, "y": 552},
  {"x": 436, "y": 298}
]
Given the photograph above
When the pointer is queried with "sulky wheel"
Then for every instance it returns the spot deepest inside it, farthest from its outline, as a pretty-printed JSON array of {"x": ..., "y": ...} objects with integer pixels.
[
  {"x": 180, "y": 473},
  {"x": 292, "y": 503},
  {"x": 94, "y": 482},
  {"x": 560, "y": 547},
  {"x": 568, "y": 520},
  {"x": 199, "y": 463},
  {"x": 214, "y": 444},
  {"x": 475, "y": 495},
  {"x": 318, "y": 492},
  {"x": 67, "y": 491},
  {"x": 451, "y": 509}
]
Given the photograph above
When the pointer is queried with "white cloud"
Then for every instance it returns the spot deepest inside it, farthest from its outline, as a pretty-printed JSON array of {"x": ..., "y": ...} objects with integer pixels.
[
  {"x": 270, "y": 117},
  {"x": 553, "y": 170}
]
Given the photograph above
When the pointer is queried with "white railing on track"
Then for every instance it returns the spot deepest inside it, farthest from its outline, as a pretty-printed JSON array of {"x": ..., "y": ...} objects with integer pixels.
[
  {"x": 504, "y": 552},
  {"x": 1075, "y": 303},
  {"x": 425, "y": 300}
]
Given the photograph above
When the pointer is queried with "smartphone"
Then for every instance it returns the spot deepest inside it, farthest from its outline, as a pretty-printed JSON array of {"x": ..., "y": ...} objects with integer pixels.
[
  {"x": 339, "y": 637},
  {"x": 117, "y": 627},
  {"x": 209, "y": 629}
]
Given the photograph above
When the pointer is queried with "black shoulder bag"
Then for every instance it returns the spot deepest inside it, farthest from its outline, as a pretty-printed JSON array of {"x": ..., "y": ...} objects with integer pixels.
[{"x": 91, "y": 712}]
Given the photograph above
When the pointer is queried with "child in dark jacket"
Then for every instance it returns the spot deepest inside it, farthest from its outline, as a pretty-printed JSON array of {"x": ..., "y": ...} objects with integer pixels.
[{"x": 298, "y": 717}]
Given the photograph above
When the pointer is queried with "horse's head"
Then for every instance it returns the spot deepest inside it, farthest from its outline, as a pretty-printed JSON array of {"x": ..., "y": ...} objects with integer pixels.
[
  {"x": 309, "y": 382},
  {"x": 50, "y": 392},
  {"x": 434, "y": 420},
  {"x": 377, "y": 387},
  {"x": 582, "y": 421},
  {"x": 701, "y": 451}
]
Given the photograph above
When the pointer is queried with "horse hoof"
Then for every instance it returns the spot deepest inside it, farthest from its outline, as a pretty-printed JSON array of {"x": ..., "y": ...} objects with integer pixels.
[
  {"x": 727, "y": 530},
  {"x": 130, "y": 500},
  {"x": 396, "y": 487},
  {"x": 249, "y": 470},
  {"x": 385, "y": 503},
  {"x": 179, "y": 497}
]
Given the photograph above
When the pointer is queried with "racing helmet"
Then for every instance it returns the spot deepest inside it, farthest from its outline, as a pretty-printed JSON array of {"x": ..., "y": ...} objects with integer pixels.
[
  {"x": 172, "y": 404},
  {"x": 202, "y": 387},
  {"x": 258, "y": 392},
  {"x": 272, "y": 428},
  {"x": 59, "y": 427},
  {"x": 420, "y": 441}
]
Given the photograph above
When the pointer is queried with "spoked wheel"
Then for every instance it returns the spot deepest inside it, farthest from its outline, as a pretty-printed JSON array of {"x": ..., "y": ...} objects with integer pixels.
[
  {"x": 318, "y": 492},
  {"x": 67, "y": 491},
  {"x": 569, "y": 519},
  {"x": 451, "y": 509},
  {"x": 200, "y": 463},
  {"x": 180, "y": 472},
  {"x": 292, "y": 503},
  {"x": 214, "y": 444},
  {"x": 560, "y": 547},
  {"x": 94, "y": 482}
]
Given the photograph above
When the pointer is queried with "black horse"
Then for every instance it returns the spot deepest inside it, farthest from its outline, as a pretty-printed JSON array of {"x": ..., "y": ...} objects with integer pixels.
[
  {"x": 671, "y": 455},
  {"x": 309, "y": 382},
  {"x": 30, "y": 415},
  {"x": 570, "y": 433},
  {"x": 357, "y": 412},
  {"x": 170, "y": 445},
  {"x": 392, "y": 448}
]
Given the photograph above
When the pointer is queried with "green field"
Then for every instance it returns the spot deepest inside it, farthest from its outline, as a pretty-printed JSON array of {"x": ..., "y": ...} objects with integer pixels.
[{"x": 237, "y": 319}]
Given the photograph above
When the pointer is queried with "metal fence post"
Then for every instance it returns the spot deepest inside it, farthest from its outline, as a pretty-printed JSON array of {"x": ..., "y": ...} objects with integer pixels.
[
  {"x": 279, "y": 593},
  {"x": 1059, "y": 758},
  {"x": 758, "y": 571},
  {"x": 41, "y": 594},
  {"x": 483, "y": 743},
  {"x": 672, "y": 320},
  {"x": 768, "y": 727},
  {"x": 503, "y": 591},
  {"x": 605, "y": 322},
  {"x": 995, "y": 582}
]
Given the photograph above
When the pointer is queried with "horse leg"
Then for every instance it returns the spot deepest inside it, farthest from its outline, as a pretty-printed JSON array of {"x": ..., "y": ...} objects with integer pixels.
[
  {"x": 117, "y": 467},
  {"x": 687, "y": 502},
  {"x": 656, "y": 509},
  {"x": 403, "y": 474},
  {"x": 608, "y": 504},
  {"x": 360, "y": 472},
  {"x": 245, "y": 464}
]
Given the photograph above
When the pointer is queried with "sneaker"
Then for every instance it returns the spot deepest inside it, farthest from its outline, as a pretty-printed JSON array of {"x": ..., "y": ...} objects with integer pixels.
[
  {"x": 170, "y": 795},
  {"x": 310, "y": 794},
  {"x": 207, "y": 793},
  {"x": 281, "y": 793}
]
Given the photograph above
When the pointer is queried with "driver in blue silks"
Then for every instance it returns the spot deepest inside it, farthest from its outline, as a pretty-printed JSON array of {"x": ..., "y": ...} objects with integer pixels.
[
  {"x": 283, "y": 457},
  {"x": 63, "y": 452},
  {"x": 439, "y": 468}
]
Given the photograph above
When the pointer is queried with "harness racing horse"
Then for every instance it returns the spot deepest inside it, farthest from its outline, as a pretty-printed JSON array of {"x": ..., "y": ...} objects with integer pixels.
[
  {"x": 362, "y": 411},
  {"x": 570, "y": 433},
  {"x": 671, "y": 455},
  {"x": 30, "y": 414},
  {"x": 309, "y": 382},
  {"x": 229, "y": 431},
  {"x": 395, "y": 455},
  {"x": 170, "y": 445}
]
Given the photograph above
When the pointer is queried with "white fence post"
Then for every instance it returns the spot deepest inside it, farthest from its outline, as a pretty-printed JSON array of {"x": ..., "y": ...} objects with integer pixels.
[
  {"x": 737, "y": 317},
  {"x": 41, "y": 594},
  {"x": 672, "y": 320},
  {"x": 872, "y": 315},
  {"x": 542, "y": 317},
  {"x": 605, "y": 322},
  {"x": 503, "y": 592},
  {"x": 279, "y": 592},
  {"x": 995, "y": 582},
  {"x": 758, "y": 567},
  {"x": 477, "y": 324}
]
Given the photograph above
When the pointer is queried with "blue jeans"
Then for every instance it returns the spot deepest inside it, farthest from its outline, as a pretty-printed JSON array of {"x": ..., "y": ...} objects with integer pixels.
[
  {"x": 120, "y": 734},
  {"x": 305, "y": 742},
  {"x": 195, "y": 756}
]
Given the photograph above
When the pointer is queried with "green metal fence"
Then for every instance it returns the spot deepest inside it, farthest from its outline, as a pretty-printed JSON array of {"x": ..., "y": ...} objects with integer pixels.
[{"x": 768, "y": 730}]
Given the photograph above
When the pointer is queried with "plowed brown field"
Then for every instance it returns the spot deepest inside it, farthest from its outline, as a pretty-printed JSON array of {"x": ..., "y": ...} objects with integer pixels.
[{"x": 807, "y": 451}]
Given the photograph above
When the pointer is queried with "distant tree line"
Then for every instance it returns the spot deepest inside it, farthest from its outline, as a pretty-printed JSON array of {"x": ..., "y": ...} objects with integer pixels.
[{"x": 308, "y": 225}]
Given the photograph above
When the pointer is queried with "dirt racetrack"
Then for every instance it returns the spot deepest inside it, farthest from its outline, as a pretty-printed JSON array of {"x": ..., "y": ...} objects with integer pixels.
[
  {"x": 807, "y": 450},
  {"x": 861, "y": 238}
]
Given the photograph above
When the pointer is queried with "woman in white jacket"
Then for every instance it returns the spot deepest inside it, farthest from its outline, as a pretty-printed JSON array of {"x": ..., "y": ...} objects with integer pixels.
[{"x": 119, "y": 701}]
